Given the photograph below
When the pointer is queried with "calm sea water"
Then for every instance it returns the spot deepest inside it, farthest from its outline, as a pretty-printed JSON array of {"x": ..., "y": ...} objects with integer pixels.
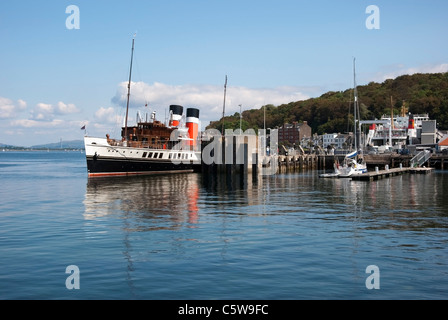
[{"x": 189, "y": 236}]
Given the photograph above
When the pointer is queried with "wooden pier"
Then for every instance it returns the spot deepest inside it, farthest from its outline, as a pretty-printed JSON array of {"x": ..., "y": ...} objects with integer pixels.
[
  {"x": 381, "y": 174},
  {"x": 297, "y": 163},
  {"x": 437, "y": 161},
  {"x": 240, "y": 154}
]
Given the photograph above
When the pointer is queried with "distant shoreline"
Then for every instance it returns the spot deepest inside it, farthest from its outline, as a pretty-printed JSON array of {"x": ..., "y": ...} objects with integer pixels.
[
  {"x": 15, "y": 149},
  {"x": 62, "y": 145}
]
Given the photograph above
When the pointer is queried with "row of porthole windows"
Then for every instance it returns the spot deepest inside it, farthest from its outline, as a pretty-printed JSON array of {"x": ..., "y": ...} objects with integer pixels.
[
  {"x": 180, "y": 156},
  {"x": 153, "y": 155},
  {"x": 157, "y": 155},
  {"x": 109, "y": 150}
]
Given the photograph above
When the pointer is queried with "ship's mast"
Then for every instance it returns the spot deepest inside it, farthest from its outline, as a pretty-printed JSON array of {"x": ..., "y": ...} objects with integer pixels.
[
  {"x": 129, "y": 93},
  {"x": 355, "y": 93}
]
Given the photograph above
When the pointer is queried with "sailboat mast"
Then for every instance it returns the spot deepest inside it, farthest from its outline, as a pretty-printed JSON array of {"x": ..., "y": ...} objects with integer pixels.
[
  {"x": 224, "y": 107},
  {"x": 357, "y": 112},
  {"x": 355, "y": 90},
  {"x": 129, "y": 93}
]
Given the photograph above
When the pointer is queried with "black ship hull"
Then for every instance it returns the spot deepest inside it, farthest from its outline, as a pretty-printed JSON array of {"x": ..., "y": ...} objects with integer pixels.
[{"x": 98, "y": 167}]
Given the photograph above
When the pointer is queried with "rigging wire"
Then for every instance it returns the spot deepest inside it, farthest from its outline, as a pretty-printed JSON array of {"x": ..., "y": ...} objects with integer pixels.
[{"x": 145, "y": 95}]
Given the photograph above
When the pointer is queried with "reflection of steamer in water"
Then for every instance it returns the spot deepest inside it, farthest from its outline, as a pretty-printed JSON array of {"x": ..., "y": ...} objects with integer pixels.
[
  {"x": 148, "y": 147},
  {"x": 170, "y": 199},
  {"x": 141, "y": 204}
]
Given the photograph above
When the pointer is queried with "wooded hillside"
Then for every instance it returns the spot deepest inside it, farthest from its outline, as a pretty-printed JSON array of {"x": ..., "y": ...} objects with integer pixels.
[{"x": 421, "y": 93}]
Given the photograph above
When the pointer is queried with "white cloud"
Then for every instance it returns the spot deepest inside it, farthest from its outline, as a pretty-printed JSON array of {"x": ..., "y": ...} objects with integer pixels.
[
  {"x": 63, "y": 108},
  {"x": 392, "y": 72},
  {"x": 28, "y": 132},
  {"x": 21, "y": 104},
  {"x": 47, "y": 112},
  {"x": 6, "y": 108},
  {"x": 45, "y": 108},
  {"x": 42, "y": 112},
  {"x": 42, "y": 123},
  {"x": 30, "y": 123},
  {"x": 207, "y": 98},
  {"x": 107, "y": 116},
  {"x": 9, "y": 109},
  {"x": 44, "y": 116}
]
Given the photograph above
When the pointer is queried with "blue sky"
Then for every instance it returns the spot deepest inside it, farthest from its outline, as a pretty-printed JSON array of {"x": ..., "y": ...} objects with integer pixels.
[{"x": 54, "y": 80}]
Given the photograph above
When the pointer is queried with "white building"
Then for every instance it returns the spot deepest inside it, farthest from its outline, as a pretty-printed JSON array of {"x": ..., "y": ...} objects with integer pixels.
[{"x": 336, "y": 140}]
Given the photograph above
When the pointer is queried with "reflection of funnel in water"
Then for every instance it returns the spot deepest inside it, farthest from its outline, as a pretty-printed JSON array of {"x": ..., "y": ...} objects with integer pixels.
[{"x": 193, "y": 209}]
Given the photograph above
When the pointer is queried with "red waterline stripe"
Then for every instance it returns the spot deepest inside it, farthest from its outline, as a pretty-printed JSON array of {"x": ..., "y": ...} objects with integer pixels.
[{"x": 118, "y": 174}]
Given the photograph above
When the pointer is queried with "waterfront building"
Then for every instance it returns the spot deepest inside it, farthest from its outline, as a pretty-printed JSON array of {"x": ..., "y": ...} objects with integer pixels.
[
  {"x": 294, "y": 133},
  {"x": 335, "y": 140},
  {"x": 443, "y": 144}
]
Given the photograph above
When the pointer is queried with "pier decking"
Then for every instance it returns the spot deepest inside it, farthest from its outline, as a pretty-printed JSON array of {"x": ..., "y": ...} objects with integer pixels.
[{"x": 381, "y": 174}]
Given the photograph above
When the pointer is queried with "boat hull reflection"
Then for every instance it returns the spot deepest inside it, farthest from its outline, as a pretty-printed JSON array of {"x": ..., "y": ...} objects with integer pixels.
[{"x": 172, "y": 197}]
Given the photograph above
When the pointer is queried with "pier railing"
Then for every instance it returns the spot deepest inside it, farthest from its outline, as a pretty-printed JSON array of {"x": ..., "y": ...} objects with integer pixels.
[{"x": 420, "y": 159}]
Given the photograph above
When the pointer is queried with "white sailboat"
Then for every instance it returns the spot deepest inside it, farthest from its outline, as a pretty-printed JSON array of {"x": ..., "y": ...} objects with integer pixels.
[
  {"x": 352, "y": 167},
  {"x": 354, "y": 163}
]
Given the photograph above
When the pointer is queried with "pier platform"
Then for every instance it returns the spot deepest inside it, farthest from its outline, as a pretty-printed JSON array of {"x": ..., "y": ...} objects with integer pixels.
[
  {"x": 421, "y": 170},
  {"x": 381, "y": 174}
]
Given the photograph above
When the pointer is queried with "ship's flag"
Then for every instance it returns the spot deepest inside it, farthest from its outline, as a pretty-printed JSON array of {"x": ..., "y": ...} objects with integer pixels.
[{"x": 83, "y": 128}]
